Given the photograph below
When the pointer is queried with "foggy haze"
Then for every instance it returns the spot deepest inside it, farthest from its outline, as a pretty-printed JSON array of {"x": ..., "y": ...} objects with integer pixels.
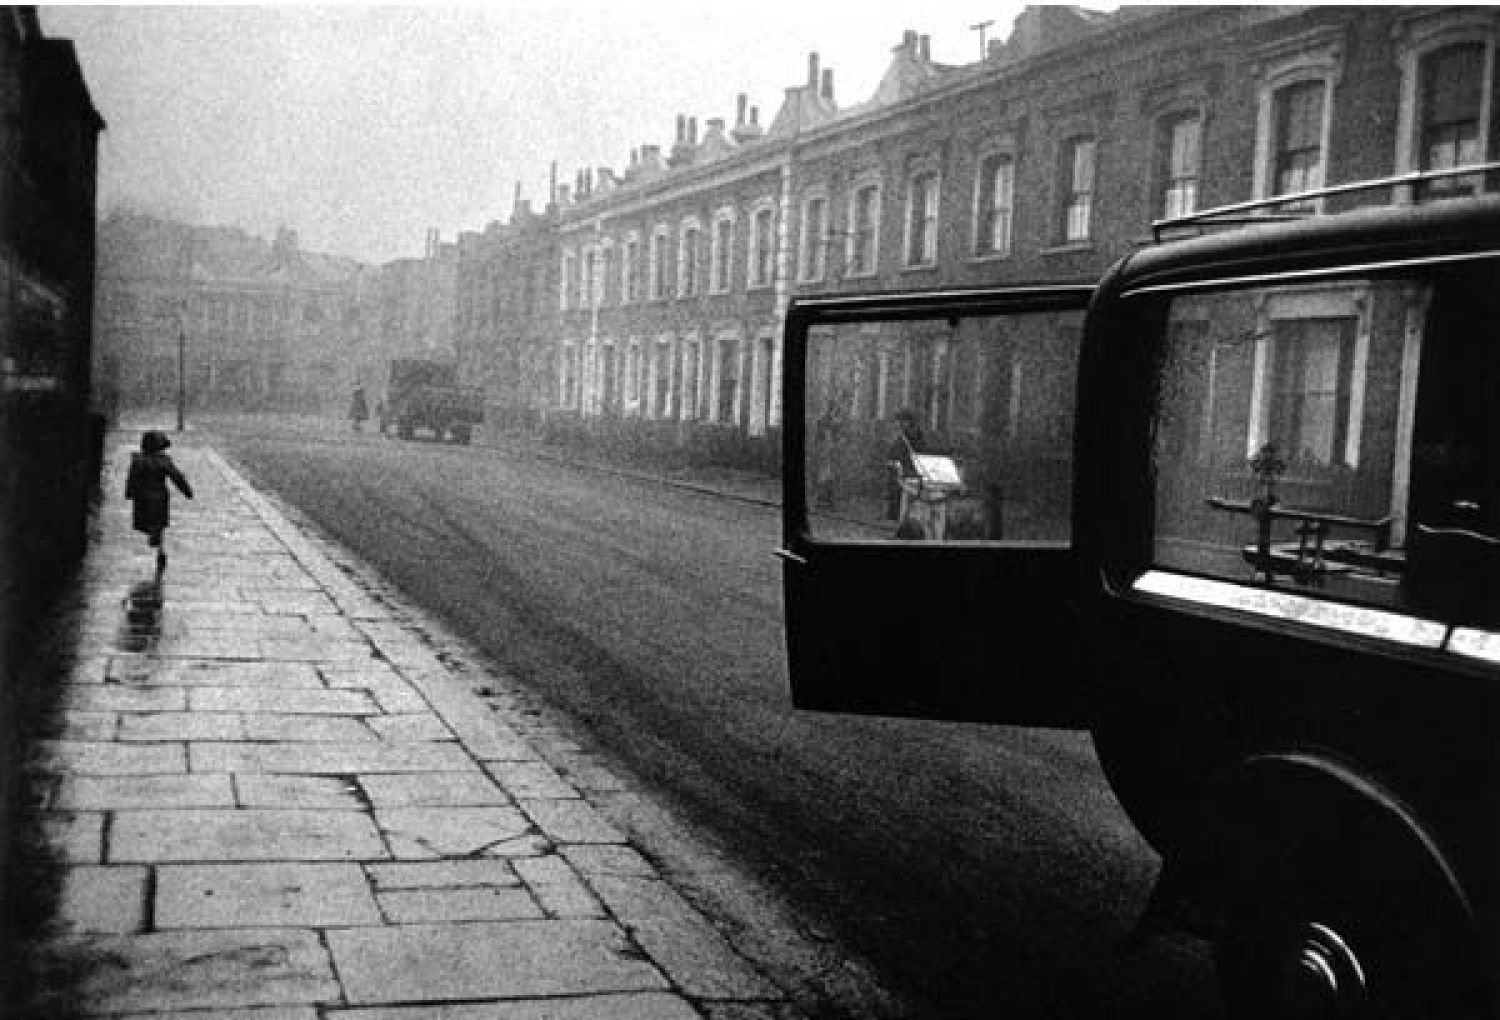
[{"x": 363, "y": 127}]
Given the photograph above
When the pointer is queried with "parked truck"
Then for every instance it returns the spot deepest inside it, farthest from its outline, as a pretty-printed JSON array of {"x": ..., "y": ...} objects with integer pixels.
[{"x": 422, "y": 394}]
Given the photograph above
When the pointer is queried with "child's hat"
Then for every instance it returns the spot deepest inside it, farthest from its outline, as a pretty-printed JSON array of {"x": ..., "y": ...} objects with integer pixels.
[{"x": 154, "y": 442}]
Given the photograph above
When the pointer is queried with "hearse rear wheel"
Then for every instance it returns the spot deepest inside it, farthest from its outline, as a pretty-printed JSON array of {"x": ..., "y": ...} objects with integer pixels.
[{"x": 1342, "y": 907}]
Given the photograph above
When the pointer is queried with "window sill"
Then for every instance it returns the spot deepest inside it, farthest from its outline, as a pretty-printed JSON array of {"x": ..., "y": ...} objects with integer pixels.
[
  {"x": 1069, "y": 247},
  {"x": 868, "y": 274},
  {"x": 998, "y": 256},
  {"x": 922, "y": 267}
]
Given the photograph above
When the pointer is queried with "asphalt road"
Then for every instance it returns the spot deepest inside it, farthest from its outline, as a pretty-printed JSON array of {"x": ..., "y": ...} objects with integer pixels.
[{"x": 982, "y": 871}]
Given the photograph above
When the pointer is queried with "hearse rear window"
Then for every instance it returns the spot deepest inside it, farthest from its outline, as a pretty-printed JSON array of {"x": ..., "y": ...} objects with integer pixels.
[
  {"x": 942, "y": 430},
  {"x": 1336, "y": 442}
]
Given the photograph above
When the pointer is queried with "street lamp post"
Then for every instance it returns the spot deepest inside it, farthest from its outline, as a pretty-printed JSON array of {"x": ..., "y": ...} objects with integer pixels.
[{"x": 181, "y": 372}]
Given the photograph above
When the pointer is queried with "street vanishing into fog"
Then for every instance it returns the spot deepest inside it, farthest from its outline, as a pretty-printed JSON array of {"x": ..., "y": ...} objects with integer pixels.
[{"x": 977, "y": 870}]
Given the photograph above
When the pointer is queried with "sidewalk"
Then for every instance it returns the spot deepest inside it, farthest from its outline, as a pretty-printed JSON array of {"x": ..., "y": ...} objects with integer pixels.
[{"x": 276, "y": 801}]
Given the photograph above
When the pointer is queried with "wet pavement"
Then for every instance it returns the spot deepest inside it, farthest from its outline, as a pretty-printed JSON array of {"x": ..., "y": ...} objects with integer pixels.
[{"x": 274, "y": 798}]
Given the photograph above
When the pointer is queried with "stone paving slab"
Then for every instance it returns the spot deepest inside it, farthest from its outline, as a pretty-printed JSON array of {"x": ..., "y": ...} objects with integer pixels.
[
  {"x": 326, "y": 729},
  {"x": 515, "y": 959},
  {"x": 421, "y": 832},
  {"x": 204, "y": 970},
  {"x": 640, "y": 1006},
  {"x": 263, "y": 895},
  {"x": 275, "y": 791},
  {"x": 180, "y": 726},
  {"x": 96, "y": 898},
  {"x": 243, "y": 835},
  {"x": 433, "y": 789},
  {"x": 240, "y": 674},
  {"x": 291, "y": 701},
  {"x": 476, "y": 903},
  {"x": 324, "y": 759},
  {"x": 92, "y": 758},
  {"x": 123, "y": 793}
]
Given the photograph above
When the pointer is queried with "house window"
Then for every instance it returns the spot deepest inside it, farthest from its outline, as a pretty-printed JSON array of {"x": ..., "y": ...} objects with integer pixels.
[
  {"x": 762, "y": 247},
  {"x": 1310, "y": 375},
  {"x": 922, "y": 219},
  {"x": 606, "y": 270},
  {"x": 1078, "y": 189},
  {"x": 661, "y": 387},
  {"x": 629, "y": 270},
  {"x": 565, "y": 281},
  {"x": 1180, "y": 147},
  {"x": 691, "y": 369},
  {"x": 1298, "y": 152},
  {"x": 995, "y": 190},
  {"x": 812, "y": 252},
  {"x": 633, "y": 375},
  {"x": 687, "y": 260},
  {"x": 658, "y": 267},
  {"x": 591, "y": 277},
  {"x": 721, "y": 255},
  {"x": 864, "y": 229},
  {"x": 1452, "y": 101}
]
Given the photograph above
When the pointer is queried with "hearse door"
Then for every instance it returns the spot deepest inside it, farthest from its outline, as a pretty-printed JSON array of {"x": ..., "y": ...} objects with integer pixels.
[{"x": 927, "y": 473}]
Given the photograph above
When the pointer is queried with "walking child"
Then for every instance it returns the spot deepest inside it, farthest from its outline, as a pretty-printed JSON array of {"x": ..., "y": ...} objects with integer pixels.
[{"x": 146, "y": 487}]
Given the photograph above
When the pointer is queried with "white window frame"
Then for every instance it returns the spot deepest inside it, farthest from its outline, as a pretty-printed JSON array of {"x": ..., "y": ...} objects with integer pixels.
[
  {"x": 630, "y": 254},
  {"x": 859, "y": 185},
  {"x": 566, "y": 273},
  {"x": 989, "y": 250},
  {"x": 761, "y": 251},
  {"x": 1161, "y": 158},
  {"x": 1067, "y": 171},
  {"x": 812, "y": 244},
  {"x": 929, "y": 217},
  {"x": 1315, "y": 56},
  {"x": 1418, "y": 36},
  {"x": 656, "y": 270},
  {"x": 687, "y": 284},
  {"x": 721, "y": 256},
  {"x": 1335, "y": 302}
]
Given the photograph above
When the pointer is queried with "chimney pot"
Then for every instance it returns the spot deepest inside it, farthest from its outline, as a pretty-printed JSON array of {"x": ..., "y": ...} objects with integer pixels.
[
  {"x": 739, "y": 120},
  {"x": 681, "y": 127},
  {"x": 692, "y": 130},
  {"x": 754, "y": 115},
  {"x": 828, "y": 84},
  {"x": 909, "y": 40},
  {"x": 812, "y": 70},
  {"x": 925, "y": 44}
]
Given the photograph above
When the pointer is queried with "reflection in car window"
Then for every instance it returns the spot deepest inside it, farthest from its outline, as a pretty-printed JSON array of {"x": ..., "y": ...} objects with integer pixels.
[
  {"x": 1337, "y": 441},
  {"x": 942, "y": 430}
]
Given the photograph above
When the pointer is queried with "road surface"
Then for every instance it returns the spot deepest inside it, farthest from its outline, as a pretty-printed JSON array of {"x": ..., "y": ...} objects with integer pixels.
[{"x": 982, "y": 871}]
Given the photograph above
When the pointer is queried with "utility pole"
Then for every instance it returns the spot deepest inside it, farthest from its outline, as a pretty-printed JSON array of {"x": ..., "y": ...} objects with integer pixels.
[{"x": 983, "y": 50}]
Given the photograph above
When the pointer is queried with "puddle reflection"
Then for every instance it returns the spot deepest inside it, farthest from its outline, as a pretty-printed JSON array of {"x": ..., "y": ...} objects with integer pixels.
[{"x": 141, "y": 628}]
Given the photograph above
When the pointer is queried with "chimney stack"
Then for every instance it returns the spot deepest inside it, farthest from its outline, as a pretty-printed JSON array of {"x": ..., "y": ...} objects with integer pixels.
[
  {"x": 925, "y": 50},
  {"x": 812, "y": 70},
  {"x": 692, "y": 131},
  {"x": 828, "y": 84},
  {"x": 739, "y": 120}
]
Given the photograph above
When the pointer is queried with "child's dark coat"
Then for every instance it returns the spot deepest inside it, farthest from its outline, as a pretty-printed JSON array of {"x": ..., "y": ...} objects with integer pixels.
[{"x": 146, "y": 486}]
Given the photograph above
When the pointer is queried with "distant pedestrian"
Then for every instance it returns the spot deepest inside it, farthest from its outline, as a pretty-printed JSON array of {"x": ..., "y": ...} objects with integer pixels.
[
  {"x": 359, "y": 409},
  {"x": 146, "y": 488}
]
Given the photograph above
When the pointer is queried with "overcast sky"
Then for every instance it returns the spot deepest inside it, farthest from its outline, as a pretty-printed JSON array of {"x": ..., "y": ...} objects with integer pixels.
[{"x": 363, "y": 126}]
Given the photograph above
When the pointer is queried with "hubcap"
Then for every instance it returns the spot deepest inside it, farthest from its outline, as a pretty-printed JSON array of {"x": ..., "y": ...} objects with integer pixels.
[{"x": 1318, "y": 977}]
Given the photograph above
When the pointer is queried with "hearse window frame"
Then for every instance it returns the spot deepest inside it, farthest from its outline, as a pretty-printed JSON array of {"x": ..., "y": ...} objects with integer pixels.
[
  {"x": 809, "y": 313},
  {"x": 1129, "y": 576}
]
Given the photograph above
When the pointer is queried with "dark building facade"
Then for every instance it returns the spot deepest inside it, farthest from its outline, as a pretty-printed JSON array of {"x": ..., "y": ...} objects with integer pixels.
[{"x": 49, "y": 443}]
